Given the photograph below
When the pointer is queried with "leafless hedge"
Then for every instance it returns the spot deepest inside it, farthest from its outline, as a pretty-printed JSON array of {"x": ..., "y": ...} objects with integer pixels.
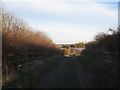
[{"x": 19, "y": 38}]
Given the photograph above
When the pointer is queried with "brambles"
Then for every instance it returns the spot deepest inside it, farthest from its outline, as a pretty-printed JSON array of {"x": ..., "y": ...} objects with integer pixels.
[
  {"x": 18, "y": 39},
  {"x": 102, "y": 59},
  {"x": 104, "y": 44}
]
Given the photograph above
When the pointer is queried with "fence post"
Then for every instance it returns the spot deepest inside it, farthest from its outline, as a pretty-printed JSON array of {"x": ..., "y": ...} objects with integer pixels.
[{"x": 6, "y": 66}]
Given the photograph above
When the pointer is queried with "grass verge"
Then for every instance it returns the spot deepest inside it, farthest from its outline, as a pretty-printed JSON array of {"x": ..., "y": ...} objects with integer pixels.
[
  {"x": 31, "y": 74},
  {"x": 105, "y": 75}
]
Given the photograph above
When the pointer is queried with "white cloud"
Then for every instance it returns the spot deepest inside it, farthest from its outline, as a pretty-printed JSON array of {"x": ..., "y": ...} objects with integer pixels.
[
  {"x": 73, "y": 33},
  {"x": 61, "y": 33},
  {"x": 61, "y": 0},
  {"x": 91, "y": 9}
]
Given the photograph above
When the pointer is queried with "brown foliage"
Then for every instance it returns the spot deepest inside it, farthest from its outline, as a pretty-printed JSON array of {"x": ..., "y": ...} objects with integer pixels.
[{"x": 18, "y": 37}]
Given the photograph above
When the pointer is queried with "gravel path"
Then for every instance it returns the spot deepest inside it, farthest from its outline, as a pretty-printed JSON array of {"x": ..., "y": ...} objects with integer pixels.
[{"x": 68, "y": 74}]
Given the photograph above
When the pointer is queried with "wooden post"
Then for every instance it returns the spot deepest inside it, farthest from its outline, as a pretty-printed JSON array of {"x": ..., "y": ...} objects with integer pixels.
[{"x": 6, "y": 66}]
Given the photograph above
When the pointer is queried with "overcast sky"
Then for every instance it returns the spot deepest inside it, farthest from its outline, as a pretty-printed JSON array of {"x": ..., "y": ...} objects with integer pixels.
[{"x": 67, "y": 21}]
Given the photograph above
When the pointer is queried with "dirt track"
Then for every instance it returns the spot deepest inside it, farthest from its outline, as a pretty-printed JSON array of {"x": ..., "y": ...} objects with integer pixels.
[{"x": 68, "y": 74}]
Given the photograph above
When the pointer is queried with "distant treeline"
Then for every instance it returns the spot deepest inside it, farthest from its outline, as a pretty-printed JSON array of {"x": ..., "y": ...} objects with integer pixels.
[{"x": 76, "y": 45}]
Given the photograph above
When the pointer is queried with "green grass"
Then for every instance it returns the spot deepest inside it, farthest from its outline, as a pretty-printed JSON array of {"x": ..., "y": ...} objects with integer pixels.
[
  {"x": 104, "y": 74},
  {"x": 31, "y": 74}
]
